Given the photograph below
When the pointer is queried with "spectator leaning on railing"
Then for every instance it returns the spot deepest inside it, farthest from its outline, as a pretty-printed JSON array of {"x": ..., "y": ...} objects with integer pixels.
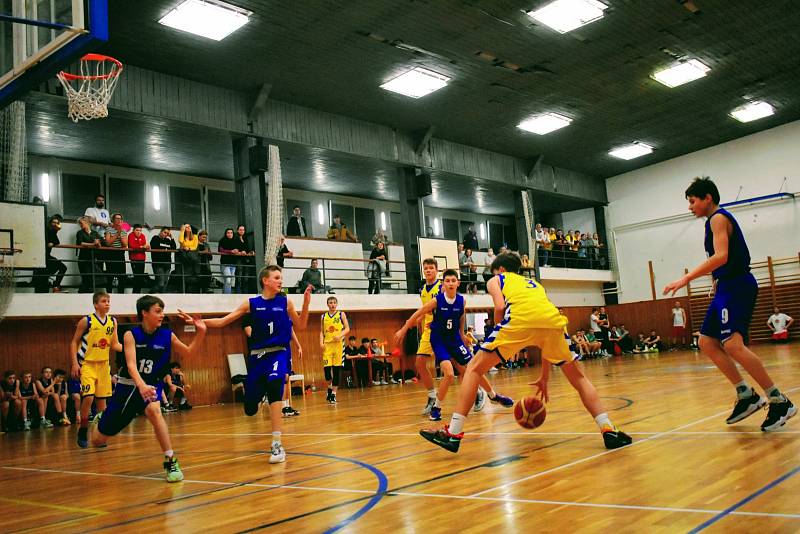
[
  {"x": 88, "y": 240},
  {"x": 117, "y": 238},
  {"x": 228, "y": 260},
  {"x": 162, "y": 261},
  {"x": 137, "y": 243}
]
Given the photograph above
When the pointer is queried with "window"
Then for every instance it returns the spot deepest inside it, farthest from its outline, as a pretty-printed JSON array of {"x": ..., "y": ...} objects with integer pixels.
[
  {"x": 125, "y": 197},
  {"x": 186, "y": 206},
  {"x": 222, "y": 213},
  {"x": 78, "y": 193}
]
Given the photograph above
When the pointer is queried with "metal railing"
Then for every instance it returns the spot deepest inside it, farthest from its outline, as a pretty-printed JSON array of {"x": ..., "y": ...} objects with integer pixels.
[
  {"x": 181, "y": 271},
  {"x": 573, "y": 257}
]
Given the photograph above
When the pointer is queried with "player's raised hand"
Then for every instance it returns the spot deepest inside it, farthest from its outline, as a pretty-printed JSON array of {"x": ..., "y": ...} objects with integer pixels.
[
  {"x": 196, "y": 320},
  {"x": 307, "y": 293},
  {"x": 673, "y": 287}
]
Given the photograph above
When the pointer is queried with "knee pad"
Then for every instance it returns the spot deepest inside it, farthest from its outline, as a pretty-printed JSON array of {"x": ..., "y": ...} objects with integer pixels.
[{"x": 274, "y": 391}]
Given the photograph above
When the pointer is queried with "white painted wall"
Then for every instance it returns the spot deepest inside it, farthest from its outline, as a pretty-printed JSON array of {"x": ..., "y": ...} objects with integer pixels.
[
  {"x": 581, "y": 220},
  {"x": 648, "y": 217}
]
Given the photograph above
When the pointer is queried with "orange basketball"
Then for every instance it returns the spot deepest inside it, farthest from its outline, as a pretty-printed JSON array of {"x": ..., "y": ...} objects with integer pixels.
[{"x": 529, "y": 412}]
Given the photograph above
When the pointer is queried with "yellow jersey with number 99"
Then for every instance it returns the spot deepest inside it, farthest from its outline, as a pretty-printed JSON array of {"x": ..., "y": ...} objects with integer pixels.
[
  {"x": 527, "y": 303},
  {"x": 96, "y": 341},
  {"x": 332, "y": 326},
  {"x": 428, "y": 293}
]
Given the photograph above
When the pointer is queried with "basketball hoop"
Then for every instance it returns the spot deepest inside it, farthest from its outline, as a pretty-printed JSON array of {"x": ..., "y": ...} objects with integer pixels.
[{"x": 88, "y": 93}]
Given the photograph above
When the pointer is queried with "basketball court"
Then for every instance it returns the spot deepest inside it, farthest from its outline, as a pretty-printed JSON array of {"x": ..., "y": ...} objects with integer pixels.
[{"x": 361, "y": 465}]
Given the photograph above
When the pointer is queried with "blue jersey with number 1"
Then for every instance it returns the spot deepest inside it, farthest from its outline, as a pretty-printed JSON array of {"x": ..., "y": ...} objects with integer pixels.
[
  {"x": 153, "y": 354},
  {"x": 271, "y": 324}
]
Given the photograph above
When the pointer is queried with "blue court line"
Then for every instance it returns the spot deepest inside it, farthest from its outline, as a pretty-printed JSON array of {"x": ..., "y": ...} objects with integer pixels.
[
  {"x": 380, "y": 492},
  {"x": 744, "y": 501}
]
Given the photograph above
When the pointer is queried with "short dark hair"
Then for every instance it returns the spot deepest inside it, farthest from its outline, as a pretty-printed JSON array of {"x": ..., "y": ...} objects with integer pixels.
[
  {"x": 174, "y": 365},
  {"x": 449, "y": 272},
  {"x": 115, "y": 214},
  {"x": 702, "y": 186},
  {"x": 364, "y": 340},
  {"x": 510, "y": 261},
  {"x": 351, "y": 337},
  {"x": 332, "y": 298},
  {"x": 165, "y": 228},
  {"x": 146, "y": 302},
  {"x": 295, "y": 207},
  {"x": 100, "y": 293},
  {"x": 46, "y": 367},
  {"x": 137, "y": 225},
  {"x": 99, "y": 195},
  {"x": 59, "y": 372},
  {"x": 430, "y": 261}
]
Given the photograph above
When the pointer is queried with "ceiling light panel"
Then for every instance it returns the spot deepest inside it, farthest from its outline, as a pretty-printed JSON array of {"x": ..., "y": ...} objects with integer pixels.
[
  {"x": 416, "y": 83},
  {"x": 213, "y": 20},
  {"x": 566, "y": 15}
]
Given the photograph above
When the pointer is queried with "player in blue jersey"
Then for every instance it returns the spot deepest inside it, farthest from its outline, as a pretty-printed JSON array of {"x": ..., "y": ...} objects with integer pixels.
[
  {"x": 272, "y": 315},
  {"x": 724, "y": 334},
  {"x": 447, "y": 339},
  {"x": 148, "y": 351}
]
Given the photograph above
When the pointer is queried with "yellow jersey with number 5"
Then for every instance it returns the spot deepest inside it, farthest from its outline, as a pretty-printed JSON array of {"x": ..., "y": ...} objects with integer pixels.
[
  {"x": 527, "y": 304},
  {"x": 96, "y": 341}
]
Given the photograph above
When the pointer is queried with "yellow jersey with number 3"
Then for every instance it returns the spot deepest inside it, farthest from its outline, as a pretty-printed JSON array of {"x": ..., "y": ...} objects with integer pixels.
[
  {"x": 96, "y": 341},
  {"x": 332, "y": 326},
  {"x": 527, "y": 303},
  {"x": 428, "y": 293}
]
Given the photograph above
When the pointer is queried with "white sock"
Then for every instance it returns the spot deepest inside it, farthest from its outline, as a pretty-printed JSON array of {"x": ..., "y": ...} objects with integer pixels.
[
  {"x": 276, "y": 438},
  {"x": 437, "y": 403},
  {"x": 169, "y": 454},
  {"x": 431, "y": 393},
  {"x": 457, "y": 423},
  {"x": 286, "y": 403},
  {"x": 743, "y": 391},
  {"x": 77, "y": 415},
  {"x": 603, "y": 420}
]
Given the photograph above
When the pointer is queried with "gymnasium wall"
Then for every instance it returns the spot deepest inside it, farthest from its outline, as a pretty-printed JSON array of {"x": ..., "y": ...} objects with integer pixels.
[{"x": 649, "y": 220}]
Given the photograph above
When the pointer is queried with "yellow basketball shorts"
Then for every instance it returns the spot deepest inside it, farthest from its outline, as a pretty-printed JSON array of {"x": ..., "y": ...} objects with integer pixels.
[
  {"x": 96, "y": 379},
  {"x": 425, "y": 348},
  {"x": 508, "y": 339},
  {"x": 333, "y": 354}
]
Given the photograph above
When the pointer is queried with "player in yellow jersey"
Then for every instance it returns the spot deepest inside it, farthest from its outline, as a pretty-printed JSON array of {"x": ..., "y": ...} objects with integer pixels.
[
  {"x": 432, "y": 286},
  {"x": 95, "y": 336},
  {"x": 523, "y": 316},
  {"x": 333, "y": 329}
]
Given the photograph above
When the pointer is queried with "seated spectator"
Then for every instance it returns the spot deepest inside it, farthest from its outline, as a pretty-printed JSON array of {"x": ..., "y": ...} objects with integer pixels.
[
  {"x": 41, "y": 277},
  {"x": 283, "y": 252},
  {"x": 625, "y": 341},
  {"x": 116, "y": 237},
  {"x": 161, "y": 246},
  {"x": 29, "y": 397},
  {"x": 350, "y": 352},
  {"x": 362, "y": 366},
  {"x": 595, "y": 345},
  {"x": 613, "y": 340},
  {"x": 376, "y": 268},
  {"x": 10, "y": 397},
  {"x": 203, "y": 283},
  {"x": 381, "y": 369},
  {"x": 641, "y": 345},
  {"x": 313, "y": 277},
  {"x": 339, "y": 231},
  {"x": 177, "y": 388},
  {"x": 779, "y": 323},
  {"x": 47, "y": 391},
  {"x": 653, "y": 341},
  {"x": 137, "y": 242},
  {"x": 228, "y": 260},
  {"x": 61, "y": 389},
  {"x": 379, "y": 237}
]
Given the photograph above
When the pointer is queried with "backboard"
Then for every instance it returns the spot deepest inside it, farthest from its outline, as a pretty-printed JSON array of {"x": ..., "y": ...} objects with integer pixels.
[
  {"x": 26, "y": 222},
  {"x": 40, "y": 38}
]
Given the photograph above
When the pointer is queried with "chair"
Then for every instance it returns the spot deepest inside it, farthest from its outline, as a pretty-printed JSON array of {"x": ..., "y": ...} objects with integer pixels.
[
  {"x": 237, "y": 367},
  {"x": 297, "y": 378}
]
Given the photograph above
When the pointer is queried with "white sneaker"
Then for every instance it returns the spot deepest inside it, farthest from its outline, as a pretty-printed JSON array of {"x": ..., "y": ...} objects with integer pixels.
[
  {"x": 278, "y": 454},
  {"x": 427, "y": 409},
  {"x": 393, "y": 381},
  {"x": 384, "y": 383},
  {"x": 480, "y": 400},
  {"x": 493, "y": 370},
  {"x": 376, "y": 383}
]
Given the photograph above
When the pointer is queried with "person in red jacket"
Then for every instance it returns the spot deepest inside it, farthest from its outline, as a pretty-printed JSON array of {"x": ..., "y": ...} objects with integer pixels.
[{"x": 137, "y": 242}]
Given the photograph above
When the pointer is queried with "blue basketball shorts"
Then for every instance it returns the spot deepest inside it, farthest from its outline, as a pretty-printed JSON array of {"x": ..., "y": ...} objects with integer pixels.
[
  {"x": 125, "y": 404},
  {"x": 731, "y": 309},
  {"x": 455, "y": 351}
]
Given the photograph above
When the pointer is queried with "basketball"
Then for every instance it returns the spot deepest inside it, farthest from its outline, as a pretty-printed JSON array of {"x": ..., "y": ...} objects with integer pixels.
[{"x": 529, "y": 412}]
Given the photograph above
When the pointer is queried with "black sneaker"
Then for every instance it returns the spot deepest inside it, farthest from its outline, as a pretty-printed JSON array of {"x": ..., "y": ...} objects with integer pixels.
[
  {"x": 778, "y": 414},
  {"x": 443, "y": 438},
  {"x": 746, "y": 407},
  {"x": 83, "y": 438},
  {"x": 616, "y": 438},
  {"x": 286, "y": 411},
  {"x": 332, "y": 399},
  {"x": 185, "y": 406}
]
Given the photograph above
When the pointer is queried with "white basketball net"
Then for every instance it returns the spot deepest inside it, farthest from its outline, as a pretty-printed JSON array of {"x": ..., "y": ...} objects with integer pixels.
[
  {"x": 7, "y": 281},
  {"x": 89, "y": 92},
  {"x": 274, "y": 229}
]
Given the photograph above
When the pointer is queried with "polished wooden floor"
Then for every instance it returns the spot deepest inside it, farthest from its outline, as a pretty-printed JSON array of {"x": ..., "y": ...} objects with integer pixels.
[{"x": 361, "y": 467}]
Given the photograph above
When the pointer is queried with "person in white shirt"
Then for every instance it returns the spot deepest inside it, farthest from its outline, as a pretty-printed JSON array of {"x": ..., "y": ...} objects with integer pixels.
[
  {"x": 487, "y": 266},
  {"x": 542, "y": 237},
  {"x": 678, "y": 325},
  {"x": 779, "y": 323},
  {"x": 98, "y": 215}
]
